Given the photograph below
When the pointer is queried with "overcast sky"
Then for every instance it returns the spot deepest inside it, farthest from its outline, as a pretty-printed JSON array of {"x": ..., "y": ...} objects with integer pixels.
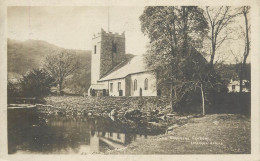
[{"x": 73, "y": 27}]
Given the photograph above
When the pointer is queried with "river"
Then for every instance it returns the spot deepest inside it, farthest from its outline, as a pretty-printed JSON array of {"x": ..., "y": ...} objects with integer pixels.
[{"x": 30, "y": 131}]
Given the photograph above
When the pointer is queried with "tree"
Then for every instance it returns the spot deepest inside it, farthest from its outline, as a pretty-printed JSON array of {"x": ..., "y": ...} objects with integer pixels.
[
  {"x": 36, "y": 83},
  {"x": 60, "y": 66},
  {"x": 13, "y": 89},
  {"x": 245, "y": 11},
  {"x": 172, "y": 31},
  {"x": 219, "y": 18},
  {"x": 242, "y": 58}
]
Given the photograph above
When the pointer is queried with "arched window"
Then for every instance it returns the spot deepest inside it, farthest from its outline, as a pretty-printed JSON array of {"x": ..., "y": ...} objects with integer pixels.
[
  {"x": 135, "y": 85},
  {"x": 146, "y": 84}
]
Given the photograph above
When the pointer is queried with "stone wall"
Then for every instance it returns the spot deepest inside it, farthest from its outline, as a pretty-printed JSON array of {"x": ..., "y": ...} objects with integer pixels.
[
  {"x": 101, "y": 104},
  {"x": 110, "y": 59}
]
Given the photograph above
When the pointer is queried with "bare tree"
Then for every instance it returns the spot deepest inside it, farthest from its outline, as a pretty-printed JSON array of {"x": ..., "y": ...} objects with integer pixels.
[
  {"x": 240, "y": 59},
  {"x": 219, "y": 18},
  {"x": 245, "y": 11},
  {"x": 60, "y": 66}
]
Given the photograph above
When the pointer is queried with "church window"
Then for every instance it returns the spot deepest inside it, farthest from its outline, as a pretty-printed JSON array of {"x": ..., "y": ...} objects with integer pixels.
[
  {"x": 146, "y": 84},
  {"x": 135, "y": 85},
  {"x": 95, "y": 49},
  {"x": 118, "y": 136},
  {"x": 111, "y": 87},
  {"x": 119, "y": 86}
]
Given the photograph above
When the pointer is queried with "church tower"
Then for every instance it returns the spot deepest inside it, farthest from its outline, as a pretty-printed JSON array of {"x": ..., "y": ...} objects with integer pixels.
[{"x": 108, "y": 51}]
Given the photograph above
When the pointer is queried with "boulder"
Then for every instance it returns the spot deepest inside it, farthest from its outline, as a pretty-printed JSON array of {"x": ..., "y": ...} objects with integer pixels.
[
  {"x": 113, "y": 113},
  {"x": 134, "y": 115},
  {"x": 154, "y": 112},
  {"x": 171, "y": 128}
]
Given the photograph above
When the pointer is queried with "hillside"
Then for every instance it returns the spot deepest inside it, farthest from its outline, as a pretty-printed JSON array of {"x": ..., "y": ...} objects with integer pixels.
[{"x": 26, "y": 55}]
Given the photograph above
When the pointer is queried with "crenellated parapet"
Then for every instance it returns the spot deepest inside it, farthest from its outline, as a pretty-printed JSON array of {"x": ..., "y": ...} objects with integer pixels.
[{"x": 110, "y": 34}]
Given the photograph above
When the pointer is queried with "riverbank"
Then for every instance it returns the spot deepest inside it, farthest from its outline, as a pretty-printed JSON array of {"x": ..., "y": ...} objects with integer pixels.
[
  {"x": 101, "y": 104},
  {"x": 211, "y": 134}
]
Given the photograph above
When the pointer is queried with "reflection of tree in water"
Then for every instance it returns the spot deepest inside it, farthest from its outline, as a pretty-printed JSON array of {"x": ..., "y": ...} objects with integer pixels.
[
  {"x": 57, "y": 136},
  {"x": 60, "y": 134},
  {"x": 45, "y": 139}
]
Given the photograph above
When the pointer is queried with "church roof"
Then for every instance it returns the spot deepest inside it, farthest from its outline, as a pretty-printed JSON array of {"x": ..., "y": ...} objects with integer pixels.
[
  {"x": 130, "y": 66},
  {"x": 98, "y": 86}
]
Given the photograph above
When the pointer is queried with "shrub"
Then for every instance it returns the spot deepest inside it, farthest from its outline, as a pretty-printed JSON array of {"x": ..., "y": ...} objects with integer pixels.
[{"x": 36, "y": 83}]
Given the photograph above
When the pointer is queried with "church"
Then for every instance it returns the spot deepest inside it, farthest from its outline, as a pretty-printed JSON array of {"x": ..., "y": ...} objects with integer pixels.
[{"x": 115, "y": 73}]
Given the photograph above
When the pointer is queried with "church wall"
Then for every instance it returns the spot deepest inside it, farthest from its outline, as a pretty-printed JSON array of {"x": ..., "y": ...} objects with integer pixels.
[
  {"x": 115, "y": 91},
  {"x": 128, "y": 86},
  {"x": 140, "y": 77},
  {"x": 95, "y": 59}
]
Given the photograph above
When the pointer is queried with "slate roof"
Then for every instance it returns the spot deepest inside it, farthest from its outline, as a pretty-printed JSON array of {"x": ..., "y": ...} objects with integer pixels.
[
  {"x": 130, "y": 66},
  {"x": 136, "y": 64},
  {"x": 98, "y": 86}
]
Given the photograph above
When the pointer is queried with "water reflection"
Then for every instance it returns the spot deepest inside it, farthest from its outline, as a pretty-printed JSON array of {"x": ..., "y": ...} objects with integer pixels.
[{"x": 70, "y": 135}]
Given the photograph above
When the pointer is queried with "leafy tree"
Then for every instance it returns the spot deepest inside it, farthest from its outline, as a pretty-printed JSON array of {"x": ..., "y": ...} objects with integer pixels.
[
  {"x": 60, "y": 66},
  {"x": 36, "y": 83},
  {"x": 173, "y": 33},
  {"x": 13, "y": 89}
]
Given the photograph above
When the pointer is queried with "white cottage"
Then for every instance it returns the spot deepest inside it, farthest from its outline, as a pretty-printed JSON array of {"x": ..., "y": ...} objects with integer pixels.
[
  {"x": 234, "y": 86},
  {"x": 114, "y": 73}
]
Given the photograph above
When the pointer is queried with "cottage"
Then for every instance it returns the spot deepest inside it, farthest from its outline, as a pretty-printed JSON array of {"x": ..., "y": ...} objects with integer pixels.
[{"x": 234, "y": 86}]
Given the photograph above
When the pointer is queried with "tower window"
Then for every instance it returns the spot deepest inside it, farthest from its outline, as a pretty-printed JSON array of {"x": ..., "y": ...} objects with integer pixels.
[
  {"x": 146, "y": 84},
  {"x": 114, "y": 47},
  {"x": 135, "y": 85},
  {"x": 95, "y": 49}
]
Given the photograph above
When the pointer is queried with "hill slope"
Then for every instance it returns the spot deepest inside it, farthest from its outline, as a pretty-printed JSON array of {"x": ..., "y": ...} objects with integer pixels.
[{"x": 23, "y": 56}]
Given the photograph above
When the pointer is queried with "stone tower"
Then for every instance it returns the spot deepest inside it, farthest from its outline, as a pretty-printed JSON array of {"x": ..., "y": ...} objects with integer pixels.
[{"x": 107, "y": 52}]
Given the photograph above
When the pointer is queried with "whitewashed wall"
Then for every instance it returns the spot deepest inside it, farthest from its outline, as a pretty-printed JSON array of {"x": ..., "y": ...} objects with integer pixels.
[
  {"x": 115, "y": 91},
  {"x": 95, "y": 60},
  {"x": 140, "y": 77}
]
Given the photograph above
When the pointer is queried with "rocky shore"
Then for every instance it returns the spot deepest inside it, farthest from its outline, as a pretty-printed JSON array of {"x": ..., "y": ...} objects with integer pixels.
[
  {"x": 154, "y": 108},
  {"x": 152, "y": 112}
]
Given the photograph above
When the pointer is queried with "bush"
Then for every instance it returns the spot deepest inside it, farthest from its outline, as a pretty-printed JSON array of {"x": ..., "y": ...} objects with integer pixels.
[{"x": 36, "y": 83}]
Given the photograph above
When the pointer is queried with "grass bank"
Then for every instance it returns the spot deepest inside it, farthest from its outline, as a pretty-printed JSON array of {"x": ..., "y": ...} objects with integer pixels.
[{"x": 212, "y": 134}]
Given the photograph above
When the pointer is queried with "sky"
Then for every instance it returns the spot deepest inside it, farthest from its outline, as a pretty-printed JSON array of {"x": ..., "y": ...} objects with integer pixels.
[{"x": 73, "y": 27}]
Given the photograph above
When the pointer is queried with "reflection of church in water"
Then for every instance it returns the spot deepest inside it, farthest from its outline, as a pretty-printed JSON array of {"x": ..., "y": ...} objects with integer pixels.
[{"x": 100, "y": 141}]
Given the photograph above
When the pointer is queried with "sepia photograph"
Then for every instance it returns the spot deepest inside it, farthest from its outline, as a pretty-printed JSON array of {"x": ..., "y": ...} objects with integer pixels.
[{"x": 139, "y": 80}]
